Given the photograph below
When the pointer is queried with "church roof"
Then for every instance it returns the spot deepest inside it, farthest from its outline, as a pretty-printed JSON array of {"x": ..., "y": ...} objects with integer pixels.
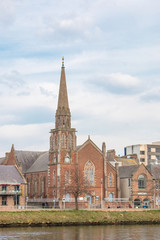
[
  {"x": 27, "y": 158},
  {"x": 127, "y": 171},
  {"x": 41, "y": 163},
  {"x": 10, "y": 175}
]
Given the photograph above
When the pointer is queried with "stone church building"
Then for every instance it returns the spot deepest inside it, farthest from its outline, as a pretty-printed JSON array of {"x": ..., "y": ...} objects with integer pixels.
[{"x": 55, "y": 177}]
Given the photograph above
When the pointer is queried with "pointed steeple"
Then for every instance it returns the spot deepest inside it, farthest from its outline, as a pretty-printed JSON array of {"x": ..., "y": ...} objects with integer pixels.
[
  {"x": 63, "y": 96},
  {"x": 63, "y": 111}
]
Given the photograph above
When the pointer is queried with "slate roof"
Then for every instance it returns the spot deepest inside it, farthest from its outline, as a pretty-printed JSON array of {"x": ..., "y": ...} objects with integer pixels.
[
  {"x": 127, "y": 171},
  {"x": 41, "y": 164},
  {"x": 126, "y": 161},
  {"x": 10, "y": 175},
  {"x": 27, "y": 158},
  {"x": 154, "y": 169}
]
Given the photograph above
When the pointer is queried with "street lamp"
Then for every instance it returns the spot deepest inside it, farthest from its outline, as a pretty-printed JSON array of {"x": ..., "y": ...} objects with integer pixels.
[{"x": 101, "y": 191}]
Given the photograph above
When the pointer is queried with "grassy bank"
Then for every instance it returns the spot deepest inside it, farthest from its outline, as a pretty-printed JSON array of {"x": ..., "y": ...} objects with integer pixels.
[{"x": 40, "y": 218}]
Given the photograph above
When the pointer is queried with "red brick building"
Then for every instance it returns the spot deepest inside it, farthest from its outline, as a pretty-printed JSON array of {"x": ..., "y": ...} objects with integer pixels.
[{"x": 52, "y": 176}]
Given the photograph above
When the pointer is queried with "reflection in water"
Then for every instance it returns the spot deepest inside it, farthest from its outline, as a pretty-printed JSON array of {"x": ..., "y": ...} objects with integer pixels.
[{"x": 134, "y": 232}]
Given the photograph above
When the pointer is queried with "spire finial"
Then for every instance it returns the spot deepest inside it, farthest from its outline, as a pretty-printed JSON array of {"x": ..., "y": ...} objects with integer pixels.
[{"x": 62, "y": 62}]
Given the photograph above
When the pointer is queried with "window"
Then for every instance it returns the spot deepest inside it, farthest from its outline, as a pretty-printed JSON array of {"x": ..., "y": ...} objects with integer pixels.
[
  {"x": 67, "y": 197},
  {"x": 67, "y": 177},
  {"x": 142, "y": 152},
  {"x": 89, "y": 173},
  {"x": 35, "y": 187},
  {"x": 158, "y": 150},
  {"x": 110, "y": 197},
  {"x": 4, "y": 200},
  {"x": 110, "y": 179},
  {"x": 157, "y": 185},
  {"x": 141, "y": 182},
  {"x": 28, "y": 186},
  {"x": 4, "y": 188},
  {"x": 142, "y": 160},
  {"x": 69, "y": 141},
  {"x": 16, "y": 188},
  {"x": 16, "y": 200},
  {"x": 129, "y": 182},
  {"x": 42, "y": 185},
  {"x": 63, "y": 140},
  {"x": 54, "y": 178}
]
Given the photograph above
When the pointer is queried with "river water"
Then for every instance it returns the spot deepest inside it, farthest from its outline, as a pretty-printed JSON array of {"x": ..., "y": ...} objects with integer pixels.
[{"x": 133, "y": 232}]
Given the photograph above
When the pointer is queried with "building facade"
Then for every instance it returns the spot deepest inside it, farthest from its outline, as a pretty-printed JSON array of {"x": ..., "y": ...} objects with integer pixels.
[{"x": 146, "y": 153}]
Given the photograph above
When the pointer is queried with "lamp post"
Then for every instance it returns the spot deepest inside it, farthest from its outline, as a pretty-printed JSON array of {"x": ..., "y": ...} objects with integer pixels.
[{"x": 101, "y": 191}]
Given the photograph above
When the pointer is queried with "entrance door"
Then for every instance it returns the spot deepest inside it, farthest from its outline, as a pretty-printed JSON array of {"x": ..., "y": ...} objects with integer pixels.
[
  {"x": 137, "y": 203},
  {"x": 89, "y": 198},
  {"x": 146, "y": 203}
]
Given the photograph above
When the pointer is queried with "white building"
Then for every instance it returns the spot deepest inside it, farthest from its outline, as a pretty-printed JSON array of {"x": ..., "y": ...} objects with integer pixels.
[{"x": 146, "y": 153}]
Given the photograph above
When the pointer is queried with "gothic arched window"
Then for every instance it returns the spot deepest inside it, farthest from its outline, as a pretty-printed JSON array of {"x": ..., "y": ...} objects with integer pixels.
[
  {"x": 69, "y": 141},
  {"x": 63, "y": 140},
  {"x": 28, "y": 186},
  {"x": 89, "y": 171},
  {"x": 35, "y": 186},
  {"x": 54, "y": 178},
  {"x": 141, "y": 181},
  {"x": 42, "y": 183},
  {"x": 110, "y": 179},
  {"x": 67, "y": 177}
]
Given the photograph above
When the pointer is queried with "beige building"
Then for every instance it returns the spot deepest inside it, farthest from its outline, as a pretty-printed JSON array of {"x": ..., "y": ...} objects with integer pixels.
[
  {"x": 12, "y": 187},
  {"x": 146, "y": 153}
]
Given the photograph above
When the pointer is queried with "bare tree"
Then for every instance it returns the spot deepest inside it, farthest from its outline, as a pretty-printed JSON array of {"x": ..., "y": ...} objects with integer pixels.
[{"x": 75, "y": 185}]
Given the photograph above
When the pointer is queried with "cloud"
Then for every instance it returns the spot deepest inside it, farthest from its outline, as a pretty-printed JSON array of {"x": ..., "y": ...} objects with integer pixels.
[
  {"x": 152, "y": 95},
  {"x": 7, "y": 13},
  {"x": 117, "y": 83}
]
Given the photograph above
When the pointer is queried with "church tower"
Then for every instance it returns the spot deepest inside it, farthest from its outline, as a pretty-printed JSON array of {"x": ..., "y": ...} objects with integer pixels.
[{"x": 62, "y": 142}]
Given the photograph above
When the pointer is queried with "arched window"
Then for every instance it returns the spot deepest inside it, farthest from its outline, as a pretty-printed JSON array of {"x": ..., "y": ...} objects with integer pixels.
[
  {"x": 141, "y": 182},
  {"x": 59, "y": 121},
  {"x": 69, "y": 141},
  {"x": 35, "y": 186},
  {"x": 110, "y": 179},
  {"x": 63, "y": 140},
  {"x": 67, "y": 197},
  {"x": 54, "y": 178},
  {"x": 89, "y": 171},
  {"x": 67, "y": 177},
  {"x": 28, "y": 187},
  {"x": 42, "y": 185},
  {"x": 110, "y": 197}
]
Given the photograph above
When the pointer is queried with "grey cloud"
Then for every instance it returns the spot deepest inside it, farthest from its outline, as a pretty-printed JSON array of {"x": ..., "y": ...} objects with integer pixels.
[
  {"x": 46, "y": 92},
  {"x": 12, "y": 79},
  {"x": 151, "y": 96}
]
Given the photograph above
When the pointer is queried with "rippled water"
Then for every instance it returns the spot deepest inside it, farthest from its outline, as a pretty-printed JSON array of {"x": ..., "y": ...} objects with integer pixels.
[{"x": 134, "y": 232}]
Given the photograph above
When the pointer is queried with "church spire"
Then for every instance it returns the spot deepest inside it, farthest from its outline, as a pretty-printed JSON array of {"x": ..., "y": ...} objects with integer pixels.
[{"x": 63, "y": 111}]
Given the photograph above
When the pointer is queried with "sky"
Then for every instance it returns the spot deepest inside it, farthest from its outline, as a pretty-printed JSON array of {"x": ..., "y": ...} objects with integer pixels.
[{"x": 112, "y": 61}]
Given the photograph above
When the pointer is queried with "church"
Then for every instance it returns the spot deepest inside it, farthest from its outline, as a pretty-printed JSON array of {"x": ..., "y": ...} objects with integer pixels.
[{"x": 66, "y": 174}]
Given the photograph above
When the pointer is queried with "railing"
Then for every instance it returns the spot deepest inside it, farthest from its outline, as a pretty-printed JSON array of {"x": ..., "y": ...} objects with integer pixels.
[
  {"x": 116, "y": 199},
  {"x": 11, "y": 192},
  {"x": 41, "y": 200}
]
